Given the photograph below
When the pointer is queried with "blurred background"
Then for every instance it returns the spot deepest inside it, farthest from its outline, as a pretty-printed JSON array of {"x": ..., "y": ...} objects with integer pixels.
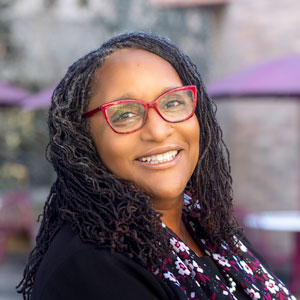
[{"x": 248, "y": 53}]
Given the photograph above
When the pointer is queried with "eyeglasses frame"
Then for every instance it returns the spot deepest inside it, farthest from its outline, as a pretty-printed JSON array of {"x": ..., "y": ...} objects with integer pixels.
[{"x": 146, "y": 105}]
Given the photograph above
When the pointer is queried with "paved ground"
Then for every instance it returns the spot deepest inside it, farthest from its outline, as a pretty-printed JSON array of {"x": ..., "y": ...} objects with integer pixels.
[{"x": 11, "y": 270}]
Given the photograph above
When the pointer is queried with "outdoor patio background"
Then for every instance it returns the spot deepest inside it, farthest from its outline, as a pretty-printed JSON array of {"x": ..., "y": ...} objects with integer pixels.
[{"x": 39, "y": 39}]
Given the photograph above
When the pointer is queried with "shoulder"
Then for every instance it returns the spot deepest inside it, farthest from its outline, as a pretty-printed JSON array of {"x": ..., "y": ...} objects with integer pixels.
[{"x": 72, "y": 269}]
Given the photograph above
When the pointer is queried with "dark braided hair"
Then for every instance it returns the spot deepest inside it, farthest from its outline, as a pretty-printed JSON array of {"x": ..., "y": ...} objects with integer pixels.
[{"x": 111, "y": 211}]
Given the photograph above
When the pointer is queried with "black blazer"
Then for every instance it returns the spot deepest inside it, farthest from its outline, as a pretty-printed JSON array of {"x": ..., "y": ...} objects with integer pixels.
[{"x": 73, "y": 270}]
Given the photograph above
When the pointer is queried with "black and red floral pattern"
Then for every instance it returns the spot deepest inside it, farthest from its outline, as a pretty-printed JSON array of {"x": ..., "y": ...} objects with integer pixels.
[{"x": 222, "y": 274}]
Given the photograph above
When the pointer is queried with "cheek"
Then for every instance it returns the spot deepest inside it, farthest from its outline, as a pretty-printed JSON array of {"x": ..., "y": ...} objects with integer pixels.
[
  {"x": 114, "y": 151},
  {"x": 193, "y": 134}
]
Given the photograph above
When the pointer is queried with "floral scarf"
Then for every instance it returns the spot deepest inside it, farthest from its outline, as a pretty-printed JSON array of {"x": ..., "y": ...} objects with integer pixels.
[{"x": 222, "y": 274}]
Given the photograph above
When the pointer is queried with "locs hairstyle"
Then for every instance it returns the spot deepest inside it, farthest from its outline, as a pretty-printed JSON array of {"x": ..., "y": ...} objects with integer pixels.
[{"x": 110, "y": 211}]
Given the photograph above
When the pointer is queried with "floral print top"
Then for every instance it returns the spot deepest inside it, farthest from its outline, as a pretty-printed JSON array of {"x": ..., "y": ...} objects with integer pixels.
[{"x": 221, "y": 274}]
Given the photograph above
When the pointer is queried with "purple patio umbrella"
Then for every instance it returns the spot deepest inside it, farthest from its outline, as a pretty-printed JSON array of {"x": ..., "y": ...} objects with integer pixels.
[
  {"x": 277, "y": 78},
  {"x": 11, "y": 95},
  {"x": 39, "y": 100}
]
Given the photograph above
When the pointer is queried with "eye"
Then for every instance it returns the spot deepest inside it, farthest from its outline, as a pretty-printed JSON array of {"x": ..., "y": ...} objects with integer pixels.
[
  {"x": 125, "y": 119},
  {"x": 173, "y": 103},
  {"x": 123, "y": 116}
]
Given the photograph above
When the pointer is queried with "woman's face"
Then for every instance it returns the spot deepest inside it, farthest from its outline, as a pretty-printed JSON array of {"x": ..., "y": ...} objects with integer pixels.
[{"x": 139, "y": 74}]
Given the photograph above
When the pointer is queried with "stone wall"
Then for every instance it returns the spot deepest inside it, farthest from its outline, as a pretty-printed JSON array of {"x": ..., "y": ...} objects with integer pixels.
[{"x": 253, "y": 31}]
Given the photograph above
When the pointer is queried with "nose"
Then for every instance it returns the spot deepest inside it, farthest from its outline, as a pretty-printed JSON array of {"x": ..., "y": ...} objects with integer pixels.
[{"x": 156, "y": 129}]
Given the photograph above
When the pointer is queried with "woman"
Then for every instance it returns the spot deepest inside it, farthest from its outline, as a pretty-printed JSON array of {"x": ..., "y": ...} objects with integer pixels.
[{"x": 142, "y": 204}]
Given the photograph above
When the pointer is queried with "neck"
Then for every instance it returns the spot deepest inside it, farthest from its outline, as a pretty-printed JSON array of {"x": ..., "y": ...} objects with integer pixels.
[
  {"x": 171, "y": 211},
  {"x": 172, "y": 217}
]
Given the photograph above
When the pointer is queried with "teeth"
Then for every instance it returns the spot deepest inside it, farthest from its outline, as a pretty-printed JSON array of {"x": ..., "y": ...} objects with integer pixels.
[{"x": 159, "y": 158}]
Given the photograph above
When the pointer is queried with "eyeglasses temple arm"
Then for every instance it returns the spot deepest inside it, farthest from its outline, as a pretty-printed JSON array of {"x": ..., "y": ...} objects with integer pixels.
[{"x": 92, "y": 112}]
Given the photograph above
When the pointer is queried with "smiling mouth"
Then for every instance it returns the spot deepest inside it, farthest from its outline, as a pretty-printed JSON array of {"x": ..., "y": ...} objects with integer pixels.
[{"x": 159, "y": 158}]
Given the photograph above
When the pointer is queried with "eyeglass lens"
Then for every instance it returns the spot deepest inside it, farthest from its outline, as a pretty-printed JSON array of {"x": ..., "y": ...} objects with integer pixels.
[{"x": 130, "y": 116}]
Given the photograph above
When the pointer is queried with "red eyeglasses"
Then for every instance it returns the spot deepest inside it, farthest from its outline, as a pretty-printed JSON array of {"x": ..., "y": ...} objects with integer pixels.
[{"x": 129, "y": 115}]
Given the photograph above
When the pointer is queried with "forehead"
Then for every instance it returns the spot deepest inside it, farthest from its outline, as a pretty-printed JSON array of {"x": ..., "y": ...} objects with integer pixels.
[
  {"x": 133, "y": 73},
  {"x": 133, "y": 58}
]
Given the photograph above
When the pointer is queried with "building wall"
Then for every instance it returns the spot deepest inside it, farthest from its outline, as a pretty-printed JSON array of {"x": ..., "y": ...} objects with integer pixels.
[
  {"x": 262, "y": 133},
  {"x": 252, "y": 31}
]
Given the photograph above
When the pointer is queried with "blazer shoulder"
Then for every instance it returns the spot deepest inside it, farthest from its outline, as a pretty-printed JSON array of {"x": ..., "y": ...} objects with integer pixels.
[{"x": 73, "y": 269}]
